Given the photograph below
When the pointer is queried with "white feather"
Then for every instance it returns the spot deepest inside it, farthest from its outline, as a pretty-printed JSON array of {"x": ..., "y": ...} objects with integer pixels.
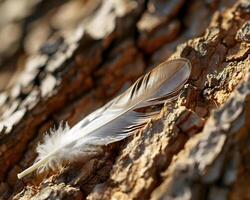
[{"x": 114, "y": 121}]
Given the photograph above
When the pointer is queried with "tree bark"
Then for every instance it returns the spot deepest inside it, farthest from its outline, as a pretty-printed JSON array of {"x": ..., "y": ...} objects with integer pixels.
[{"x": 64, "y": 59}]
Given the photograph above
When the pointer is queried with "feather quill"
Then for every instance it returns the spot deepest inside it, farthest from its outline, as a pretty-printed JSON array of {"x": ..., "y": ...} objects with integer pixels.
[{"x": 114, "y": 121}]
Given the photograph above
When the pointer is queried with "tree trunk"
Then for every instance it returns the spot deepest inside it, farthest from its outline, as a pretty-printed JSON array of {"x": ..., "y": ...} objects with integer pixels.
[{"x": 60, "y": 60}]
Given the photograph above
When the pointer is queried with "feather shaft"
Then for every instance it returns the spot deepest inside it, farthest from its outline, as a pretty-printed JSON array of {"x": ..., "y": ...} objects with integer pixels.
[
  {"x": 116, "y": 120},
  {"x": 32, "y": 168}
]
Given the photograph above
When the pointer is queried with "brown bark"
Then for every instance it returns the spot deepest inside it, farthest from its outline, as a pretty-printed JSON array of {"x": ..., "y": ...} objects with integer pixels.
[{"x": 69, "y": 58}]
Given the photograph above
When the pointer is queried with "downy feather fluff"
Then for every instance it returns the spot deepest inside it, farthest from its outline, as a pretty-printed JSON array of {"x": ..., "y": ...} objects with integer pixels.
[{"x": 114, "y": 121}]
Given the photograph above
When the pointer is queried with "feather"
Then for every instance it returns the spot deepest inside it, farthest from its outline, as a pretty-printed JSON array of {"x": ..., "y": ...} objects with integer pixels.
[{"x": 114, "y": 121}]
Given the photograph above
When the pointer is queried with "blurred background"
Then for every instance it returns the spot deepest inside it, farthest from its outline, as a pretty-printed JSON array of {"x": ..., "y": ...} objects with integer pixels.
[{"x": 156, "y": 27}]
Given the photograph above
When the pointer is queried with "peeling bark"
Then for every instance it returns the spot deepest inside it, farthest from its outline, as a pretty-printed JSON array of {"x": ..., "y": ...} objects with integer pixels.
[{"x": 66, "y": 65}]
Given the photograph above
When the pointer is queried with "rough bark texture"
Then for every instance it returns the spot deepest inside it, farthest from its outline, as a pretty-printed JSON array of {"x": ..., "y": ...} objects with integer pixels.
[{"x": 64, "y": 59}]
